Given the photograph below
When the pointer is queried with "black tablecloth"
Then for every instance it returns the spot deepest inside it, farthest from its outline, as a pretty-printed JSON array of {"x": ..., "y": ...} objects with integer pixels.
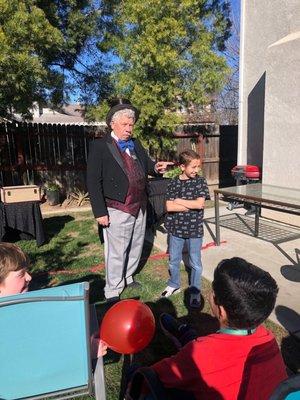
[
  {"x": 157, "y": 200},
  {"x": 21, "y": 219}
]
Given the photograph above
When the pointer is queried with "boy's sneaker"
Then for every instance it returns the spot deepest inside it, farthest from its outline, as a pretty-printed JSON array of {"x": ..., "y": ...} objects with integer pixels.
[
  {"x": 180, "y": 334},
  {"x": 170, "y": 326},
  {"x": 169, "y": 291},
  {"x": 195, "y": 300}
]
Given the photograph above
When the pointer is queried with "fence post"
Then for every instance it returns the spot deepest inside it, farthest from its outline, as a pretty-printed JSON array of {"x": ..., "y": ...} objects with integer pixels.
[{"x": 19, "y": 137}]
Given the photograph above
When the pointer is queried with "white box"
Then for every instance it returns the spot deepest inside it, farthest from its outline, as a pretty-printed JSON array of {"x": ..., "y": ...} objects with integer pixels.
[{"x": 16, "y": 194}]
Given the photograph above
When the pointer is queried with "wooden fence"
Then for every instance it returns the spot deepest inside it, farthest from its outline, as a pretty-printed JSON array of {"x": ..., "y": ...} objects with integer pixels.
[
  {"x": 217, "y": 146},
  {"x": 37, "y": 153}
]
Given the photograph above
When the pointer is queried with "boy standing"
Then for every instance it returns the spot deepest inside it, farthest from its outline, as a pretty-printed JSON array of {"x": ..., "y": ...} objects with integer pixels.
[{"x": 185, "y": 200}]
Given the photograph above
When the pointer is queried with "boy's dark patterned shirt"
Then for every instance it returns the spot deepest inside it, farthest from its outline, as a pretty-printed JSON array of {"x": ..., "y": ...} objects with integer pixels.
[{"x": 186, "y": 224}]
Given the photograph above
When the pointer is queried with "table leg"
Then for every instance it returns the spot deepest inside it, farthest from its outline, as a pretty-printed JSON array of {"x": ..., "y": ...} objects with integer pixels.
[
  {"x": 217, "y": 218},
  {"x": 256, "y": 226}
]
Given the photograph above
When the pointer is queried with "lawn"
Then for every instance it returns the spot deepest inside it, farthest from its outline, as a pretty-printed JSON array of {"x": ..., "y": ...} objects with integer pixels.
[{"x": 73, "y": 253}]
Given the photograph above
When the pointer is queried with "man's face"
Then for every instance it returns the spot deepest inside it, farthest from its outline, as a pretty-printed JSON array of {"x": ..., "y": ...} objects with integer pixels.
[
  {"x": 123, "y": 127},
  {"x": 16, "y": 282}
]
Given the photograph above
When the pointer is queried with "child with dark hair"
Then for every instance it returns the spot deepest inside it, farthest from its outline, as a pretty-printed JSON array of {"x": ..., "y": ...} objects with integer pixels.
[
  {"x": 212, "y": 367},
  {"x": 245, "y": 292},
  {"x": 185, "y": 198}
]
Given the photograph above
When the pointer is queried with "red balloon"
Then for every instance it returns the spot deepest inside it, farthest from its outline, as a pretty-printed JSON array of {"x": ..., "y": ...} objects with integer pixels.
[{"x": 128, "y": 326}]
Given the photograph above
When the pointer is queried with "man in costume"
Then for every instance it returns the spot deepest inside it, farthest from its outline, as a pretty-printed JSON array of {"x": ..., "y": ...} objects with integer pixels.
[{"x": 117, "y": 171}]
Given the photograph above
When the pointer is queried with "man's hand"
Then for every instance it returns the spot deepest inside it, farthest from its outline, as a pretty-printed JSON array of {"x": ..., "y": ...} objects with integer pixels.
[
  {"x": 161, "y": 166},
  {"x": 103, "y": 221}
]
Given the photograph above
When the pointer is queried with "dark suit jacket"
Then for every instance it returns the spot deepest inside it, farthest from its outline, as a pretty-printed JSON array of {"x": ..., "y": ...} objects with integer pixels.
[{"x": 106, "y": 175}]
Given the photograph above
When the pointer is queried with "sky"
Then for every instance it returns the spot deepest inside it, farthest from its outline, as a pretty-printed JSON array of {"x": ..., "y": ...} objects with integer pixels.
[{"x": 235, "y": 6}]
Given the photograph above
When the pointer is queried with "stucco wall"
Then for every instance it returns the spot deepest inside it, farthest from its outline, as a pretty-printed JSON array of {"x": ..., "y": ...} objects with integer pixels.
[
  {"x": 264, "y": 23},
  {"x": 282, "y": 113}
]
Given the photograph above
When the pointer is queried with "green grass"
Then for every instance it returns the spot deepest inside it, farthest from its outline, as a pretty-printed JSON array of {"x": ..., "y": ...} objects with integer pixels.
[{"x": 73, "y": 248}]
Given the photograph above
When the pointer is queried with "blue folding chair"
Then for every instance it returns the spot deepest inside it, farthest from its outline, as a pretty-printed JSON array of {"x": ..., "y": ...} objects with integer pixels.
[
  {"x": 289, "y": 389},
  {"x": 45, "y": 345}
]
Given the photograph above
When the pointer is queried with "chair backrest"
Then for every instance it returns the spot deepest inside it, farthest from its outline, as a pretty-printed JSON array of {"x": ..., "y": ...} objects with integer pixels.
[
  {"x": 289, "y": 389},
  {"x": 146, "y": 378},
  {"x": 45, "y": 343},
  {"x": 264, "y": 370}
]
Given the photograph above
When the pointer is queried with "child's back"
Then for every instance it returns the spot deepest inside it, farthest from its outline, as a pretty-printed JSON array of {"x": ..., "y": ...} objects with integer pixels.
[
  {"x": 213, "y": 365},
  {"x": 218, "y": 366}
]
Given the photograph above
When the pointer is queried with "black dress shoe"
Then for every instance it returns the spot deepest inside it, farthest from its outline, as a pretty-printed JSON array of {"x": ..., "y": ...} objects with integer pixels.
[
  {"x": 134, "y": 285},
  {"x": 114, "y": 299}
]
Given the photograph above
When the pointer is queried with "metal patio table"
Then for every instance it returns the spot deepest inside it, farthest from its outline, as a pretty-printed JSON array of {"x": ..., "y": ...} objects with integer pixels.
[{"x": 261, "y": 196}]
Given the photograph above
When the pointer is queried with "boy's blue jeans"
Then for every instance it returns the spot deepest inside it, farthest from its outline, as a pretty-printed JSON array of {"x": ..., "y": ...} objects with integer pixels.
[{"x": 194, "y": 253}]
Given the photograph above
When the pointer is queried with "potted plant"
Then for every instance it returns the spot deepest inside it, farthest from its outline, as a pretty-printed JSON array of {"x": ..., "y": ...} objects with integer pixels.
[{"x": 52, "y": 193}]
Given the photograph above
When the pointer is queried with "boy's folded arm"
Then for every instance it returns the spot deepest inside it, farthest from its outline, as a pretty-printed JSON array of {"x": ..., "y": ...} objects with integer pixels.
[
  {"x": 196, "y": 204},
  {"x": 171, "y": 206}
]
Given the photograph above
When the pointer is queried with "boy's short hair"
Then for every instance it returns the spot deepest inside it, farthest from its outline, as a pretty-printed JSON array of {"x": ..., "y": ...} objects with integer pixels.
[
  {"x": 12, "y": 258},
  {"x": 186, "y": 156},
  {"x": 246, "y": 292}
]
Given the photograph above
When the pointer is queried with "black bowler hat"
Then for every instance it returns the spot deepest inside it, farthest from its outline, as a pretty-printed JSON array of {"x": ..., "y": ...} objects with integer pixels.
[{"x": 118, "y": 105}]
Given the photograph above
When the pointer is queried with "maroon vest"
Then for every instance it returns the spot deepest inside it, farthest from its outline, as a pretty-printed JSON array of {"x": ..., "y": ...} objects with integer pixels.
[{"x": 136, "y": 194}]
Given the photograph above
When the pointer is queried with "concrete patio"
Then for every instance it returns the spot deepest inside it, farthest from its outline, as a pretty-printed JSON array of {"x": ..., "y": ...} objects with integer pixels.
[{"x": 277, "y": 251}]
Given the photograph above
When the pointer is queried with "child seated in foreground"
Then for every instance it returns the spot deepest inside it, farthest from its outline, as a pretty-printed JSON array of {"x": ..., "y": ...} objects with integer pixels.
[
  {"x": 15, "y": 279},
  {"x": 14, "y": 275},
  {"x": 211, "y": 367}
]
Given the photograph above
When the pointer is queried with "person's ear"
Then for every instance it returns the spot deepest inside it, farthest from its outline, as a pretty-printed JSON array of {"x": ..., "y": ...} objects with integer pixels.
[
  {"x": 222, "y": 314},
  {"x": 182, "y": 167}
]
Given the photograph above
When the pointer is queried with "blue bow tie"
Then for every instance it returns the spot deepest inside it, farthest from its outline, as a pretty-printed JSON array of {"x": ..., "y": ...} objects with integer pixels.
[{"x": 125, "y": 144}]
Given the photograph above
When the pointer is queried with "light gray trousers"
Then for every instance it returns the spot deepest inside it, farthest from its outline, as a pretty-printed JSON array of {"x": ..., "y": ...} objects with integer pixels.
[{"x": 123, "y": 245}]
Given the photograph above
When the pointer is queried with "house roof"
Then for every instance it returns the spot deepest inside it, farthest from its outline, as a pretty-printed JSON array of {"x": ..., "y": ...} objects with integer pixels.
[{"x": 70, "y": 114}]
